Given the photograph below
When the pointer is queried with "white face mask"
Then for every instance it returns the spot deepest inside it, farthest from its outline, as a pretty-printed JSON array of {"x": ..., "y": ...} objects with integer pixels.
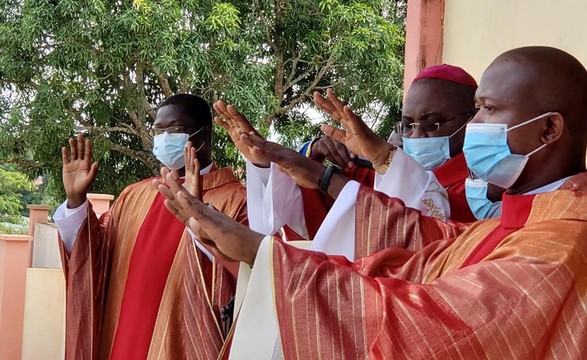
[{"x": 168, "y": 149}]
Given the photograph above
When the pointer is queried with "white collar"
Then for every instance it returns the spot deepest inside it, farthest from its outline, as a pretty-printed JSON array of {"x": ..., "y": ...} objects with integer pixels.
[
  {"x": 206, "y": 170},
  {"x": 548, "y": 188}
]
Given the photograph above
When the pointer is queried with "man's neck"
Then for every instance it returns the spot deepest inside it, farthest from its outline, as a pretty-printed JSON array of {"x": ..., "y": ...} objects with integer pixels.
[
  {"x": 204, "y": 169},
  {"x": 549, "y": 187},
  {"x": 539, "y": 182}
]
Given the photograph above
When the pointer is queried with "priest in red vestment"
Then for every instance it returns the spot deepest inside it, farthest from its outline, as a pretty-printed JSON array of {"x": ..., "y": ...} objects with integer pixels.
[
  {"x": 137, "y": 285},
  {"x": 513, "y": 287},
  {"x": 436, "y": 109},
  {"x": 435, "y": 194}
]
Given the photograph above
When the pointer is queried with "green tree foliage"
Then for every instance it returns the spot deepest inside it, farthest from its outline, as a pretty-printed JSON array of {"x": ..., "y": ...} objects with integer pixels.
[
  {"x": 38, "y": 195},
  {"x": 12, "y": 187},
  {"x": 102, "y": 66}
]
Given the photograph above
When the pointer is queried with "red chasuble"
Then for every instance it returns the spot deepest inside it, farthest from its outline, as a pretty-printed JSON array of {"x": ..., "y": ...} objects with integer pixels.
[
  {"x": 138, "y": 288},
  {"x": 399, "y": 226},
  {"x": 452, "y": 175},
  {"x": 506, "y": 289},
  {"x": 150, "y": 263},
  {"x": 317, "y": 204},
  {"x": 514, "y": 216}
]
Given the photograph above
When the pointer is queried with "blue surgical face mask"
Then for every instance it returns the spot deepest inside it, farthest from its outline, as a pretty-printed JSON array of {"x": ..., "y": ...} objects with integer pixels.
[
  {"x": 488, "y": 154},
  {"x": 430, "y": 152},
  {"x": 480, "y": 205},
  {"x": 168, "y": 149}
]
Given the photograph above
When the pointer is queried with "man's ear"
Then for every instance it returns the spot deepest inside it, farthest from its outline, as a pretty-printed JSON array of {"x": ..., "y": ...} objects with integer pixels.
[{"x": 554, "y": 128}]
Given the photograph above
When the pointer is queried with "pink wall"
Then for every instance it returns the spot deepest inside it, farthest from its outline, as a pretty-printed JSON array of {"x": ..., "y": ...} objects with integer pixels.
[
  {"x": 15, "y": 257},
  {"x": 424, "y": 37}
]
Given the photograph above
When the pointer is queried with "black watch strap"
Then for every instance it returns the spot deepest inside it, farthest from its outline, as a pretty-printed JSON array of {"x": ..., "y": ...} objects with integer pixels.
[{"x": 325, "y": 180}]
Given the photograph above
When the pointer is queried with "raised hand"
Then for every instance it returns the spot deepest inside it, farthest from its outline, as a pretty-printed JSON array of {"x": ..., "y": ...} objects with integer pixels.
[
  {"x": 192, "y": 172},
  {"x": 356, "y": 136},
  {"x": 223, "y": 236},
  {"x": 334, "y": 151},
  {"x": 78, "y": 170},
  {"x": 305, "y": 172},
  {"x": 231, "y": 120}
]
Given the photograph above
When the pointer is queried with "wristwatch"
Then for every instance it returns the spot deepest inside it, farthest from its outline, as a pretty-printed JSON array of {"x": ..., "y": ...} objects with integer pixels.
[{"x": 325, "y": 179}]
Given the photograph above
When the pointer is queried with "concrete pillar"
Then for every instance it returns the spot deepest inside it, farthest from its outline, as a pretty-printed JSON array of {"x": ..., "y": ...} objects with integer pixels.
[
  {"x": 37, "y": 214},
  {"x": 44, "y": 315},
  {"x": 100, "y": 202},
  {"x": 46, "y": 247},
  {"x": 15, "y": 255},
  {"x": 424, "y": 37}
]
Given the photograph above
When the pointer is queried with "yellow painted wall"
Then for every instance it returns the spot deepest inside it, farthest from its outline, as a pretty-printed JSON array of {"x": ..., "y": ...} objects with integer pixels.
[
  {"x": 46, "y": 247},
  {"x": 477, "y": 31},
  {"x": 44, "y": 315}
]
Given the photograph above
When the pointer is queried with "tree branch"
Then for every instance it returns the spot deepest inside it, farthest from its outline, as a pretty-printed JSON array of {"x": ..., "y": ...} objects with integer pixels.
[
  {"x": 77, "y": 116},
  {"x": 278, "y": 87},
  {"x": 292, "y": 72},
  {"x": 183, "y": 88},
  {"x": 164, "y": 83},
  {"x": 326, "y": 86},
  {"x": 140, "y": 89},
  {"x": 138, "y": 118},
  {"x": 306, "y": 94},
  {"x": 112, "y": 129},
  {"x": 298, "y": 99},
  {"x": 20, "y": 84},
  {"x": 145, "y": 157},
  {"x": 268, "y": 38},
  {"x": 148, "y": 108},
  {"x": 127, "y": 83},
  {"x": 291, "y": 83},
  {"x": 24, "y": 163},
  {"x": 278, "y": 51}
]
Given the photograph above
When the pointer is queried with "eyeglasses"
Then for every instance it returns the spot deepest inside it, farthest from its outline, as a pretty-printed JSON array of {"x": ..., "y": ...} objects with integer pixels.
[
  {"x": 170, "y": 130},
  {"x": 175, "y": 130},
  {"x": 428, "y": 127}
]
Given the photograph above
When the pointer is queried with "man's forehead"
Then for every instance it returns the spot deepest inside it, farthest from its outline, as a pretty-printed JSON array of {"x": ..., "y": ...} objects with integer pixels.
[
  {"x": 506, "y": 82},
  {"x": 171, "y": 114},
  {"x": 427, "y": 96}
]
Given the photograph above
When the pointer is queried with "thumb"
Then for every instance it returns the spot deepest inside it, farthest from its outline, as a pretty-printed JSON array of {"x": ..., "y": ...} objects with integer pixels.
[
  {"x": 335, "y": 133},
  {"x": 93, "y": 170},
  {"x": 352, "y": 122}
]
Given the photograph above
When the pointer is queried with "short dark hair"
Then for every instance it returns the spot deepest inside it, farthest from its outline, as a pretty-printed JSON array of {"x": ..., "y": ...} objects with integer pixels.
[{"x": 194, "y": 106}]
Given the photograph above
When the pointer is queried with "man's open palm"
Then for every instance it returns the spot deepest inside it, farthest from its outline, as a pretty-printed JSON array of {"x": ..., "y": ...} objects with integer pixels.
[
  {"x": 305, "y": 172},
  {"x": 222, "y": 236},
  {"x": 231, "y": 120},
  {"x": 356, "y": 136},
  {"x": 78, "y": 170},
  {"x": 192, "y": 172}
]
